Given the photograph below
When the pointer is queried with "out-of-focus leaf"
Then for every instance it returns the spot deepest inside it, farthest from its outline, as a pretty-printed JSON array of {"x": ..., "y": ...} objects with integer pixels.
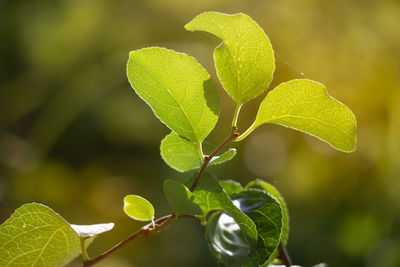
[
  {"x": 245, "y": 60},
  {"x": 180, "y": 198},
  {"x": 86, "y": 231},
  {"x": 226, "y": 240},
  {"x": 210, "y": 196},
  {"x": 305, "y": 105},
  {"x": 138, "y": 208},
  {"x": 35, "y": 235},
  {"x": 275, "y": 193},
  {"x": 177, "y": 88}
]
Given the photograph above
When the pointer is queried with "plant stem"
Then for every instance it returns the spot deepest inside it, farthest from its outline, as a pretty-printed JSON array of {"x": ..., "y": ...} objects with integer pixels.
[
  {"x": 236, "y": 115},
  {"x": 85, "y": 256},
  {"x": 147, "y": 231},
  {"x": 160, "y": 223},
  {"x": 284, "y": 256},
  {"x": 234, "y": 134}
]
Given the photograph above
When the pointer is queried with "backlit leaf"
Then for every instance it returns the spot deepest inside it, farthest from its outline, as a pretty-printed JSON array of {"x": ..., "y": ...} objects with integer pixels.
[
  {"x": 35, "y": 235},
  {"x": 177, "y": 88},
  {"x": 138, "y": 208},
  {"x": 245, "y": 60},
  {"x": 306, "y": 106},
  {"x": 182, "y": 154}
]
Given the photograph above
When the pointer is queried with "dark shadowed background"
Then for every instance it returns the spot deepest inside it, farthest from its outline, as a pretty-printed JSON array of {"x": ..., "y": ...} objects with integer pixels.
[{"x": 74, "y": 135}]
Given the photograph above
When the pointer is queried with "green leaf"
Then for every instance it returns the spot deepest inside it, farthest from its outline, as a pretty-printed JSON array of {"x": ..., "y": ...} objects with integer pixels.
[
  {"x": 226, "y": 240},
  {"x": 138, "y": 208},
  {"x": 306, "y": 106},
  {"x": 231, "y": 187},
  {"x": 87, "y": 231},
  {"x": 177, "y": 88},
  {"x": 182, "y": 154},
  {"x": 226, "y": 156},
  {"x": 210, "y": 196},
  {"x": 179, "y": 153},
  {"x": 275, "y": 193},
  {"x": 180, "y": 198},
  {"x": 266, "y": 213},
  {"x": 245, "y": 60},
  {"x": 35, "y": 235}
]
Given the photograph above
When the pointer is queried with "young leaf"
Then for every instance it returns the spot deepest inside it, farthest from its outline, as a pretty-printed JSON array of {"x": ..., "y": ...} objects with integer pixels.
[
  {"x": 180, "y": 198},
  {"x": 138, "y": 208},
  {"x": 177, "y": 88},
  {"x": 86, "y": 231},
  {"x": 210, "y": 196},
  {"x": 245, "y": 60},
  {"x": 266, "y": 213},
  {"x": 179, "y": 153},
  {"x": 306, "y": 106},
  {"x": 226, "y": 156},
  {"x": 258, "y": 183},
  {"x": 35, "y": 235},
  {"x": 182, "y": 155},
  {"x": 226, "y": 240}
]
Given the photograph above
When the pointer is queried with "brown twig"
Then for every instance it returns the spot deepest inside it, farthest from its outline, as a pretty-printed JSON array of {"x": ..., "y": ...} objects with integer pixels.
[
  {"x": 147, "y": 230},
  {"x": 208, "y": 158},
  {"x": 284, "y": 255}
]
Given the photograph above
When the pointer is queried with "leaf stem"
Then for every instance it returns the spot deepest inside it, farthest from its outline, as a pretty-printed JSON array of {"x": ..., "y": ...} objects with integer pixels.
[
  {"x": 246, "y": 133},
  {"x": 234, "y": 134},
  {"x": 236, "y": 114},
  {"x": 85, "y": 256},
  {"x": 147, "y": 231}
]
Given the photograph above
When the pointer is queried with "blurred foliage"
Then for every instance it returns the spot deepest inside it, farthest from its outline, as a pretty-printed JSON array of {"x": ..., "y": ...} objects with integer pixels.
[{"x": 75, "y": 137}]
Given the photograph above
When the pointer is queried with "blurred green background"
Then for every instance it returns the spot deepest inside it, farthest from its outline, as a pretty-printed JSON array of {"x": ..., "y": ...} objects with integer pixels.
[{"x": 74, "y": 136}]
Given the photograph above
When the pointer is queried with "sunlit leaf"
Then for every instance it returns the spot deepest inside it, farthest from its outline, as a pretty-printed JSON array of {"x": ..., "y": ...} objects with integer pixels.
[
  {"x": 306, "y": 106},
  {"x": 180, "y": 198},
  {"x": 210, "y": 196},
  {"x": 86, "y": 231},
  {"x": 245, "y": 60},
  {"x": 179, "y": 153},
  {"x": 35, "y": 235},
  {"x": 183, "y": 155},
  {"x": 177, "y": 88},
  {"x": 138, "y": 208}
]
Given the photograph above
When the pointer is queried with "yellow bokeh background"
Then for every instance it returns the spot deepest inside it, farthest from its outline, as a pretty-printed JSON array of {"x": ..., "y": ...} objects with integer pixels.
[{"x": 74, "y": 135}]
